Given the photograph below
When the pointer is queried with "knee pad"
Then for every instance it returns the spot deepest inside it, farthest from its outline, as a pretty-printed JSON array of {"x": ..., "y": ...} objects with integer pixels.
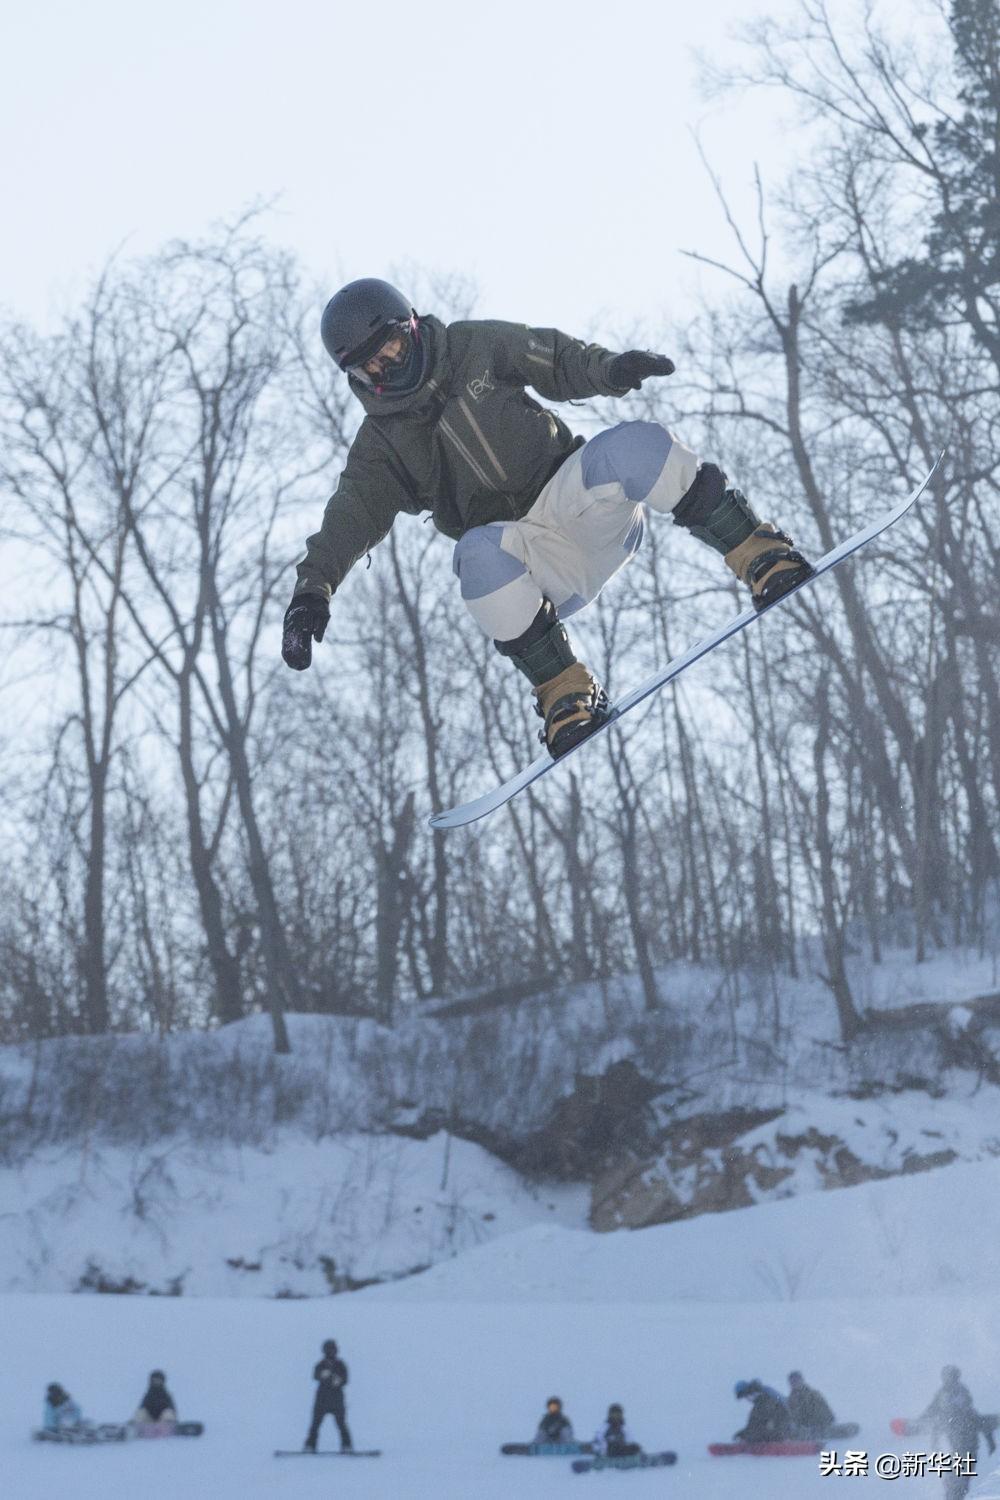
[
  {"x": 480, "y": 563},
  {"x": 632, "y": 454},
  {"x": 714, "y": 514}
]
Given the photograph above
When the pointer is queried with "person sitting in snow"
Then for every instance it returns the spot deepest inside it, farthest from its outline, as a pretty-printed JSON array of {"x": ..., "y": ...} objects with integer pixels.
[
  {"x": 157, "y": 1405},
  {"x": 769, "y": 1420},
  {"x": 60, "y": 1411},
  {"x": 809, "y": 1411},
  {"x": 555, "y": 1426},
  {"x": 613, "y": 1439}
]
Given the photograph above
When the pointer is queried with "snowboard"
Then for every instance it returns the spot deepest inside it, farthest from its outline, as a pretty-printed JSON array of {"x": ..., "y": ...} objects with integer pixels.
[
  {"x": 632, "y": 1461},
  {"x": 85, "y": 1432},
  {"x": 787, "y": 1448},
  {"x": 167, "y": 1429},
  {"x": 328, "y": 1453},
  {"x": 489, "y": 802},
  {"x": 547, "y": 1450}
]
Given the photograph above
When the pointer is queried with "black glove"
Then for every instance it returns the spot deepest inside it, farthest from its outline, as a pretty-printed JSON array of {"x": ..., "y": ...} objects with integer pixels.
[
  {"x": 306, "y": 619},
  {"x": 628, "y": 371}
]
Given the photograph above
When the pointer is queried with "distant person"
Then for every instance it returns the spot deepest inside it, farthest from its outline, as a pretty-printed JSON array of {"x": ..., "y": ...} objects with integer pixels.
[
  {"x": 60, "y": 1411},
  {"x": 808, "y": 1410},
  {"x": 953, "y": 1420},
  {"x": 613, "y": 1439},
  {"x": 331, "y": 1377},
  {"x": 157, "y": 1405},
  {"x": 769, "y": 1420},
  {"x": 555, "y": 1426}
]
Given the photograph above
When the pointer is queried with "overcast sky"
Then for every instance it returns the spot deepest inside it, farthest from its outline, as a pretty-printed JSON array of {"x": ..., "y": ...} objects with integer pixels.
[{"x": 545, "y": 149}]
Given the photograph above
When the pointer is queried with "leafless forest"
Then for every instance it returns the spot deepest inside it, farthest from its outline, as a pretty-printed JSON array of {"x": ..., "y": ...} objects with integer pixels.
[{"x": 192, "y": 833}]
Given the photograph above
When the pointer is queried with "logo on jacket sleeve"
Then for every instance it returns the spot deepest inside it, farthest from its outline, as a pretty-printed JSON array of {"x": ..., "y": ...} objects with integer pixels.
[{"x": 478, "y": 387}]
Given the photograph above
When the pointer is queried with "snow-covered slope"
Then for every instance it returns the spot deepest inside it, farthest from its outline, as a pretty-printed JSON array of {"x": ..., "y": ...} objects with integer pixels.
[
  {"x": 447, "y": 1365},
  {"x": 300, "y": 1219}
]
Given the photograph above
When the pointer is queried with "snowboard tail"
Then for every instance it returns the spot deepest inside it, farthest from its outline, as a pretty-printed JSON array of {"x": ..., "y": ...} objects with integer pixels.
[{"x": 489, "y": 802}]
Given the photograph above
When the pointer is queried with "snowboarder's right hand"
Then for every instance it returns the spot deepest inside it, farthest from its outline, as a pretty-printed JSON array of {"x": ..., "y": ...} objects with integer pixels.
[{"x": 306, "y": 619}]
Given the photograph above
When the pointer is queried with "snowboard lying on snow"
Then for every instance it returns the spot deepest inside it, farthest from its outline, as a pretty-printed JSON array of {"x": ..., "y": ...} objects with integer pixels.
[
  {"x": 632, "y": 1461},
  {"x": 328, "y": 1453},
  {"x": 789, "y": 1448},
  {"x": 117, "y": 1432},
  {"x": 547, "y": 1450},
  {"x": 913, "y": 1426}
]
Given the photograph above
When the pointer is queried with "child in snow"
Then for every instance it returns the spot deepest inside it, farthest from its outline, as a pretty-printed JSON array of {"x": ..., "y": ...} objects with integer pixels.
[
  {"x": 555, "y": 1426},
  {"x": 157, "y": 1405},
  {"x": 613, "y": 1439},
  {"x": 60, "y": 1410}
]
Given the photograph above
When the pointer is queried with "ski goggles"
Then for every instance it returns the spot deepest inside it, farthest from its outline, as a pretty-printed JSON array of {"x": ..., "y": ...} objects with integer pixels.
[{"x": 390, "y": 346}]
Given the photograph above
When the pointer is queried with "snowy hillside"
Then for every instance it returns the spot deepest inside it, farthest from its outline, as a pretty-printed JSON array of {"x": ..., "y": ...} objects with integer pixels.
[
  {"x": 303, "y": 1219},
  {"x": 447, "y": 1365}
]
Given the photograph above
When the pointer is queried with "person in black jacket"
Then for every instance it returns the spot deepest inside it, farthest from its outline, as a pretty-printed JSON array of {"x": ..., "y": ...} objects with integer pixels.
[
  {"x": 331, "y": 1377},
  {"x": 157, "y": 1405},
  {"x": 769, "y": 1420},
  {"x": 555, "y": 1426},
  {"x": 809, "y": 1411}
]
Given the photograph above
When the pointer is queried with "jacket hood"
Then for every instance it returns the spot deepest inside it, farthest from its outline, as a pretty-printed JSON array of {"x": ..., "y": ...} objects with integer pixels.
[{"x": 426, "y": 394}]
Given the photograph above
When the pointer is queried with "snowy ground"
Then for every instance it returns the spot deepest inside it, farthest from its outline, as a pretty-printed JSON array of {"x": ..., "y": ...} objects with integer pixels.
[{"x": 446, "y": 1366}]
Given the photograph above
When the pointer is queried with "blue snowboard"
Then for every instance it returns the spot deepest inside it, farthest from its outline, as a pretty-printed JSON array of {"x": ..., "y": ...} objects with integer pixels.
[
  {"x": 633, "y": 1461},
  {"x": 481, "y": 807}
]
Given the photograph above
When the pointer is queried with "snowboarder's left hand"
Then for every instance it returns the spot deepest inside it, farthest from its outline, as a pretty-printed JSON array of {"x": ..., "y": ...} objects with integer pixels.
[{"x": 629, "y": 370}]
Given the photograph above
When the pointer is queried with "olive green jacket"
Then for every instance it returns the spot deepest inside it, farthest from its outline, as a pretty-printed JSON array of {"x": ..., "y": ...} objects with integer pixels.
[{"x": 470, "y": 445}]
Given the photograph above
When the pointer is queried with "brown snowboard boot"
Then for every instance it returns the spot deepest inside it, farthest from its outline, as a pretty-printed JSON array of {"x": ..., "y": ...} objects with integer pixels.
[
  {"x": 573, "y": 704},
  {"x": 769, "y": 564}
]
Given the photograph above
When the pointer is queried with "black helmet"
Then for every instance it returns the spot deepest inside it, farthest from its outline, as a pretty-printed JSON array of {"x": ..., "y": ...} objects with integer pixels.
[
  {"x": 616, "y": 1409},
  {"x": 356, "y": 322},
  {"x": 554, "y": 1401},
  {"x": 157, "y": 1377},
  {"x": 330, "y": 1348},
  {"x": 55, "y": 1393}
]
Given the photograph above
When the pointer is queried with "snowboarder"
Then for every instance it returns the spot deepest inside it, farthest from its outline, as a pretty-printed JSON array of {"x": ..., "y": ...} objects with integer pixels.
[
  {"x": 555, "y": 1426},
  {"x": 613, "y": 1439},
  {"x": 157, "y": 1405},
  {"x": 331, "y": 1377},
  {"x": 953, "y": 1420},
  {"x": 541, "y": 519},
  {"x": 769, "y": 1420},
  {"x": 809, "y": 1412},
  {"x": 59, "y": 1411}
]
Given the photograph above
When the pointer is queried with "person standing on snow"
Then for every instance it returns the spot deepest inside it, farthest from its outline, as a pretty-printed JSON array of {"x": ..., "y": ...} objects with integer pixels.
[
  {"x": 555, "y": 1426},
  {"x": 613, "y": 1439},
  {"x": 541, "y": 519},
  {"x": 331, "y": 1377},
  {"x": 954, "y": 1421}
]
